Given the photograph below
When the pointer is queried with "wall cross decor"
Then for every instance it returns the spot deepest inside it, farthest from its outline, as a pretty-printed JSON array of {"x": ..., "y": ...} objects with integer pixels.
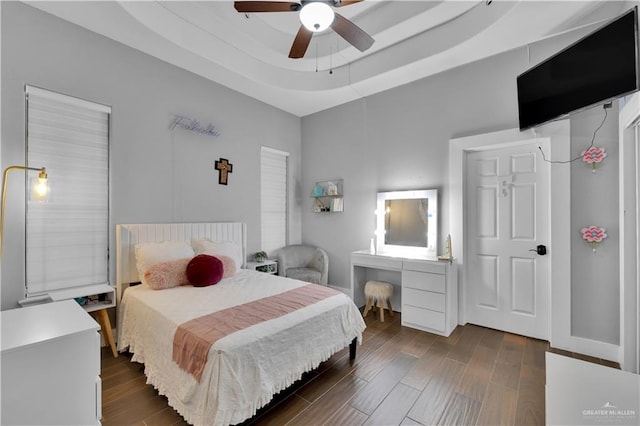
[{"x": 224, "y": 167}]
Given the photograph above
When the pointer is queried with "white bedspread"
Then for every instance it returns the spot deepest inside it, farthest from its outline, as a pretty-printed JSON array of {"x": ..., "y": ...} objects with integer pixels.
[{"x": 245, "y": 369}]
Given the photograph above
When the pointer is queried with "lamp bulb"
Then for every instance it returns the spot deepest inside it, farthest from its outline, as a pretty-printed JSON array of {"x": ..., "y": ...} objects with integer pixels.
[{"x": 41, "y": 187}]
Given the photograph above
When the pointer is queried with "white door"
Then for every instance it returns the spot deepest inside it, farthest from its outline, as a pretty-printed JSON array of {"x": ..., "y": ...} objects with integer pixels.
[{"x": 507, "y": 218}]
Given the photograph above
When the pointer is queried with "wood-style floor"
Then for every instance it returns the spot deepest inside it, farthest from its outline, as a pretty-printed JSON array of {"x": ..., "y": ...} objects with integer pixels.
[{"x": 401, "y": 376}]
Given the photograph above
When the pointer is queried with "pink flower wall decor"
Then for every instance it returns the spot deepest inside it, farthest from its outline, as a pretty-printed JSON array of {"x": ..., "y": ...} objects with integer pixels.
[
  {"x": 593, "y": 235},
  {"x": 593, "y": 156}
]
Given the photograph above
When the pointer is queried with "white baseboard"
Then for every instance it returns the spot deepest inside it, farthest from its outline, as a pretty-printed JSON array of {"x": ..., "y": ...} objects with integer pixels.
[{"x": 589, "y": 347}]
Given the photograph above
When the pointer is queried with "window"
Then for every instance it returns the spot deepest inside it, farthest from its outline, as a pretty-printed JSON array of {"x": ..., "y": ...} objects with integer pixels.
[
  {"x": 67, "y": 237},
  {"x": 273, "y": 198}
]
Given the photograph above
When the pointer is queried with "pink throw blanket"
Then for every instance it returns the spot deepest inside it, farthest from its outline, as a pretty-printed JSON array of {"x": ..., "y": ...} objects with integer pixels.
[{"x": 194, "y": 338}]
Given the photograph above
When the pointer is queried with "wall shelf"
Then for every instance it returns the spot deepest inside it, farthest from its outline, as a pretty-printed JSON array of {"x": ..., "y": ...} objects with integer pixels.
[{"x": 328, "y": 196}]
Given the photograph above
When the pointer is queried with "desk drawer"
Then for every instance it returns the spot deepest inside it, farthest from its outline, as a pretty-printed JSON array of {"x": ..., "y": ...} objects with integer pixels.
[
  {"x": 423, "y": 299},
  {"x": 424, "y": 266},
  {"x": 424, "y": 281},
  {"x": 423, "y": 318},
  {"x": 377, "y": 262}
]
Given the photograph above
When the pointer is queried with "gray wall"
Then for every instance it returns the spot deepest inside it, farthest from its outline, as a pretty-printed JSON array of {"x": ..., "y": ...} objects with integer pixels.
[
  {"x": 594, "y": 201},
  {"x": 157, "y": 175},
  {"x": 399, "y": 140}
]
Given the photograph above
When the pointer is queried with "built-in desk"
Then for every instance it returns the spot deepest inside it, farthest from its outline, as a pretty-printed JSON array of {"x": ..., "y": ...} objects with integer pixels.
[{"x": 426, "y": 289}]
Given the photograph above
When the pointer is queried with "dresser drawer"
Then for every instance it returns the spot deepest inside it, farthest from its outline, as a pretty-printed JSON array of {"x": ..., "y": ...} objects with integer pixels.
[
  {"x": 423, "y": 299},
  {"x": 423, "y": 266},
  {"x": 424, "y": 281},
  {"x": 423, "y": 318}
]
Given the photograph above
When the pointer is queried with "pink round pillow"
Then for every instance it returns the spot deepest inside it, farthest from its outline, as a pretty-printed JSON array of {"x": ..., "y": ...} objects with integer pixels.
[{"x": 204, "y": 270}]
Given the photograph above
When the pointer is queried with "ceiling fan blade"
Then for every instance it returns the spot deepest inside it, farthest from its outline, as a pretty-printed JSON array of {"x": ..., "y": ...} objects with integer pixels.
[
  {"x": 301, "y": 43},
  {"x": 352, "y": 33},
  {"x": 347, "y": 2},
  {"x": 265, "y": 6}
]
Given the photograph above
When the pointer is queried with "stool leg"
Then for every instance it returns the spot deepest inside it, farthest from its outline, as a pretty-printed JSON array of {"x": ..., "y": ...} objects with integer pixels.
[
  {"x": 381, "y": 306},
  {"x": 367, "y": 307},
  {"x": 390, "y": 307}
]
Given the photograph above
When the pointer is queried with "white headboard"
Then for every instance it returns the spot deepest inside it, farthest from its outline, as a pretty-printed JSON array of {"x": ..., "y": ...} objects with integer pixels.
[{"x": 127, "y": 236}]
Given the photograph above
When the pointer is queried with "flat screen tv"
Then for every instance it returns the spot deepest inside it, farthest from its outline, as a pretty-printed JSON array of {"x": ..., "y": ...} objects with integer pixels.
[{"x": 596, "y": 69}]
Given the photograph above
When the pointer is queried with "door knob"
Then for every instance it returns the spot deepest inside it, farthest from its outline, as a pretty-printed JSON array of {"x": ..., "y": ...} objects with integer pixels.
[{"x": 540, "y": 249}]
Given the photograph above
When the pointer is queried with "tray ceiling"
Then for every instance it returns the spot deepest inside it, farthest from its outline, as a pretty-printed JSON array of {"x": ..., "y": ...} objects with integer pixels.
[{"x": 248, "y": 53}]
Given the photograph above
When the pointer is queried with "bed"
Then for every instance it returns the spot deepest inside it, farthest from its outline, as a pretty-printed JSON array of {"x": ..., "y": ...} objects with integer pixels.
[{"x": 264, "y": 331}]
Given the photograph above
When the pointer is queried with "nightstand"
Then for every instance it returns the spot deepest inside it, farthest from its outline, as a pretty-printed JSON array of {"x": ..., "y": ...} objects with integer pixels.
[{"x": 268, "y": 266}]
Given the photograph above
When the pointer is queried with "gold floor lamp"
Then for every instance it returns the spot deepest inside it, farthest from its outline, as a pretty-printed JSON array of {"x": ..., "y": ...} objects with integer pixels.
[{"x": 40, "y": 191}]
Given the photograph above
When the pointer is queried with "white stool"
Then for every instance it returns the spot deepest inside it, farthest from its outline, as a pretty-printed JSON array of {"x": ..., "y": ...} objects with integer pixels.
[{"x": 378, "y": 292}]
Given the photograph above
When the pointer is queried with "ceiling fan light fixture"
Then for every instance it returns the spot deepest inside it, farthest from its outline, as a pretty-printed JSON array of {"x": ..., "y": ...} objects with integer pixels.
[{"x": 316, "y": 16}]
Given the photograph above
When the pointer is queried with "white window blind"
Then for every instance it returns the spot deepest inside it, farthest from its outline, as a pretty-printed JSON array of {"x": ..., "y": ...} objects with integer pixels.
[
  {"x": 67, "y": 237},
  {"x": 273, "y": 194}
]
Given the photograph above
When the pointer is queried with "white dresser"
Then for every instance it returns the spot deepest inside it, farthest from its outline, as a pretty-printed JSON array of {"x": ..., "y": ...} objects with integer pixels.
[
  {"x": 50, "y": 357},
  {"x": 427, "y": 288}
]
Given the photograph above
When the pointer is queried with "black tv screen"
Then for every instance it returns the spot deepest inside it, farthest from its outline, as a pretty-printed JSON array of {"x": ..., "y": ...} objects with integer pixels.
[{"x": 596, "y": 69}]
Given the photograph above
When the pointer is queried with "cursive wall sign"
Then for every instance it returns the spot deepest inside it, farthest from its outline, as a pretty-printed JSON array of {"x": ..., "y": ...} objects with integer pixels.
[{"x": 192, "y": 125}]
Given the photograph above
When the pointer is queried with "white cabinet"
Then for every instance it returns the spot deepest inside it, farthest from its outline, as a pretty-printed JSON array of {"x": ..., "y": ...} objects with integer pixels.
[
  {"x": 584, "y": 393},
  {"x": 429, "y": 299},
  {"x": 429, "y": 290},
  {"x": 50, "y": 358}
]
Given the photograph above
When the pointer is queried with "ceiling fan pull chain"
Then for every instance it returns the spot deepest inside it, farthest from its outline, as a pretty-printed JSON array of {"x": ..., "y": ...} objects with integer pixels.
[
  {"x": 330, "y": 59},
  {"x": 316, "y": 43}
]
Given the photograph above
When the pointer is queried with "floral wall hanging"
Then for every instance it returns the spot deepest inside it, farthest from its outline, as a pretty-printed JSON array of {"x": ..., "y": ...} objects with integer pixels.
[
  {"x": 593, "y": 157},
  {"x": 593, "y": 235}
]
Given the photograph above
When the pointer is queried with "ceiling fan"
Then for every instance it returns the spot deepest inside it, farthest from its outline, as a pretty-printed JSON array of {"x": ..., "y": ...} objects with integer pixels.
[{"x": 315, "y": 16}]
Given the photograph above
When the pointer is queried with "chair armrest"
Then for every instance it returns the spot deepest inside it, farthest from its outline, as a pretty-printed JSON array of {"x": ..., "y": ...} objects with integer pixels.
[
  {"x": 283, "y": 261},
  {"x": 320, "y": 262}
]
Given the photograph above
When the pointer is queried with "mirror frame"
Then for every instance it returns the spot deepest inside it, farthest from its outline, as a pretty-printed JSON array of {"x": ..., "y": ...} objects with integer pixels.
[{"x": 432, "y": 223}]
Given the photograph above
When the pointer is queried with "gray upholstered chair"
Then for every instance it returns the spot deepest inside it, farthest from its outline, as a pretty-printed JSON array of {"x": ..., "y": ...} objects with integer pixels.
[{"x": 303, "y": 262}]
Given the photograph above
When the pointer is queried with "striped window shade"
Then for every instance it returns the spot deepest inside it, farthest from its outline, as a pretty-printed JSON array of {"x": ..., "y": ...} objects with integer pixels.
[
  {"x": 67, "y": 237},
  {"x": 273, "y": 198}
]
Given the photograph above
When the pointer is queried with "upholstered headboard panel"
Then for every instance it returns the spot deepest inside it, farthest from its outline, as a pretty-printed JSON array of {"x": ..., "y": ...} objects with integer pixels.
[{"x": 128, "y": 235}]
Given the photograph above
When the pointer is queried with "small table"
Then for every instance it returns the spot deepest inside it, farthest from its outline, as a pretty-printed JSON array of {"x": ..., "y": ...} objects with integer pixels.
[
  {"x": 97, "y": 309},
  {"x": 268, "y": 266},
  {"x": 102, "y": 316}
]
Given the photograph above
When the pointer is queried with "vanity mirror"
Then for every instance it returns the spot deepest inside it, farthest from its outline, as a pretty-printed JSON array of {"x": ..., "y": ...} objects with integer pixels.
[{"x": 407, "y": 222}]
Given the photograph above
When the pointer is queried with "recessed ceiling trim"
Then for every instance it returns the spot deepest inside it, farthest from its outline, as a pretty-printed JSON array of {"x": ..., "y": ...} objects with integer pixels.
[
  {"x": 409, "y": 46},
  {"x": 268, "y": 67}
]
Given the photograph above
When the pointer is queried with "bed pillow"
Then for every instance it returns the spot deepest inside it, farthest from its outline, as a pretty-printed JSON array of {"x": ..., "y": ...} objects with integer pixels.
[
  {"x": 172, "y": 273},
  {"x": 204, "y": 270},
  {"x": 228, "y": 266},
  {"x": 148, "y": 254},
  {"x": 220, "y": 248}
]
